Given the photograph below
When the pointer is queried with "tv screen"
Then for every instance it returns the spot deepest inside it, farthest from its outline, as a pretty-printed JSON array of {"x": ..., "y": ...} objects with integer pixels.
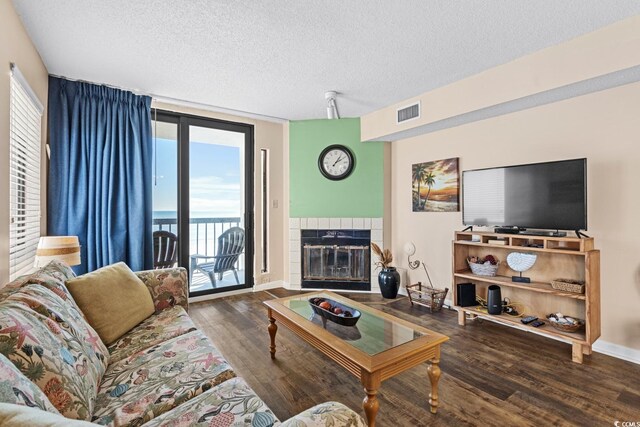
[{"x": 549, "y": 195}]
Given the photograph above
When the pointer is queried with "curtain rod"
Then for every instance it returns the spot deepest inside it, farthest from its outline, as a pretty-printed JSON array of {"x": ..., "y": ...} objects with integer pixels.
[{"x": 185, "y": 103}]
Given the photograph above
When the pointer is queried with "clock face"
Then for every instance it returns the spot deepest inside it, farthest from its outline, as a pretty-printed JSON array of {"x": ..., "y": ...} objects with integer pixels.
[{"x": 336, "y": 162}]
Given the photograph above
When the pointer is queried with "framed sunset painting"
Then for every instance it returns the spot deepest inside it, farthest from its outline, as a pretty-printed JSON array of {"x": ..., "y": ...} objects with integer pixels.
[{"x": 435, "y": 186}]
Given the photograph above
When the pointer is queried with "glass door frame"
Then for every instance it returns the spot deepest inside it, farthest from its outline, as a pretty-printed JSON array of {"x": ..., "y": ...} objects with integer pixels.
[{"x": 184, "y": 121}]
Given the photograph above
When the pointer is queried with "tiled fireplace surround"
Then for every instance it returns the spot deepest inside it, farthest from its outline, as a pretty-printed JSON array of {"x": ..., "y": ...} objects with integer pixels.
[{"x": 297, "y": 224}]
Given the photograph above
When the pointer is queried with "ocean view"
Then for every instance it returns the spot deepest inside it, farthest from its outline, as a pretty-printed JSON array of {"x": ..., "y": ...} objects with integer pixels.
[
  {"x": 195, "y": 214},
  {"x": 215, "y": 185}
]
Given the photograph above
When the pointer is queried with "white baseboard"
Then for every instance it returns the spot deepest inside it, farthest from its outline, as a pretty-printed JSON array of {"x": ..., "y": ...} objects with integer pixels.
[
  {"x": 269, "y": 285},
  {"x": 291, "y": 287},
  {"x": 256, "y": 288},
  {"x": 219, "y": 295},
  {"x": 374, "y": 289},
  {"x": 617, "y": 350}
]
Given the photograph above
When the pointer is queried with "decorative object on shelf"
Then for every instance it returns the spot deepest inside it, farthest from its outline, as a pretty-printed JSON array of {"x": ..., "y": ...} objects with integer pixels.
[
  {"x": 336, "y": 162},
  {"x": 430, "y": 297},
  {"x": 520, "y": 262},
  {"x": 487, "y": 266},
  {"x": 61, "y": 248},
  {"x": 494, "y": 300},
  {"x": 439, "y": 180},
  {"x": 388, "y": 278},
  {"x": 335, "y": 311},
  {"x": 565, "y": 323},
  {"x": 569, "y": 285}
]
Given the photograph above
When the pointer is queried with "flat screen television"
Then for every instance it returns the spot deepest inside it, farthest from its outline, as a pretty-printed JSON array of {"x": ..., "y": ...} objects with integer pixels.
[{"x": 550, "y": 196}]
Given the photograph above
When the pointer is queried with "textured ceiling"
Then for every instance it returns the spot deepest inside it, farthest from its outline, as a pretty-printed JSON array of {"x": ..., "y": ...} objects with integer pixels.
[{"x": 278, "y": 57}]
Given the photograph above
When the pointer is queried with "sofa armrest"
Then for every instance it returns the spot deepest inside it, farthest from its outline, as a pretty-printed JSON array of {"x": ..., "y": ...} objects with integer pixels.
[
  {"x": 168, "y": 287},
  {"x": 328, "y": 414}
]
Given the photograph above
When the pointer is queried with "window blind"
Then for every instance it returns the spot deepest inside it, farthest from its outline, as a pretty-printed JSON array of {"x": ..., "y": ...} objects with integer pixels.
[{"x": 25, "y": 127}]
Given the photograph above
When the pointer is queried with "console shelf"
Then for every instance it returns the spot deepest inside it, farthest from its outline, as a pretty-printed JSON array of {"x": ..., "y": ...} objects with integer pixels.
[
  {"x": 523, "y": 248},
  {"x": 514, "y": 322},
  {"x": 506, "y": 281},
  {"x": 557, "y": 257}
]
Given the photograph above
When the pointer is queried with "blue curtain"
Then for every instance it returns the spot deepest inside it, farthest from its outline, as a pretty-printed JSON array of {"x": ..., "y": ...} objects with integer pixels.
[{"x": 100, "y": 173}]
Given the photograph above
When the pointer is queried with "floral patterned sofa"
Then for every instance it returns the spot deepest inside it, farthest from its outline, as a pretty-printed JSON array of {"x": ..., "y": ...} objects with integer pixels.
[{"x": 164, "y": 372}]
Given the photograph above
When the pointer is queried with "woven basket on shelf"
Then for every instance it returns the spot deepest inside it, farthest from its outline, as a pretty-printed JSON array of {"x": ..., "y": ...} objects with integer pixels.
[
  {"x": 567, "y": 328},
  {"x": 486, "y": 269},
  {"x": 568, "y": 285}
]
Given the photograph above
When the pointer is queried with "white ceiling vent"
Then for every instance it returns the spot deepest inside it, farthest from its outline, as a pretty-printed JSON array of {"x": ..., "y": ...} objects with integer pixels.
[{"x": 410, "y": 112}]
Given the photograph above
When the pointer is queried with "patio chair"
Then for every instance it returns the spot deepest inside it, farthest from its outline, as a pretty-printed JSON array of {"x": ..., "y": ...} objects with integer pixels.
[
  {"x": 230, "y": 247},
  {"x": 165, "y": 249}
]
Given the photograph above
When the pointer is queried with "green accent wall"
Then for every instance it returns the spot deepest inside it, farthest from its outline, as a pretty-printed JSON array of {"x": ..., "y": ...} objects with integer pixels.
[{"x": 312, "y": 195}]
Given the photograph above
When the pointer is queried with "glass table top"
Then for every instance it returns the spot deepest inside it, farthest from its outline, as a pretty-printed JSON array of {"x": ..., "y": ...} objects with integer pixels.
[{"x": 372, "y": 334}]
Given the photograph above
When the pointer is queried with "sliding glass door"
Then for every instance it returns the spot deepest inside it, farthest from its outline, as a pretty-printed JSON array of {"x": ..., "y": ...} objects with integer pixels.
[{"x": 204, "y": 169}]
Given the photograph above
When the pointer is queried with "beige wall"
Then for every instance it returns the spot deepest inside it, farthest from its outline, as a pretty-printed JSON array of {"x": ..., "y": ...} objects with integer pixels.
[
  {"x": 604, "y": 127},
  {"x": 609, "y": 49},
  {"x": 16, "y": 47},
  {"x": 273, "y": 137}
]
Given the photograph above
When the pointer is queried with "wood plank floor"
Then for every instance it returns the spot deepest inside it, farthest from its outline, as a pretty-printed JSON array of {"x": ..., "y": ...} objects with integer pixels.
[{"x": 491, "y": 375}]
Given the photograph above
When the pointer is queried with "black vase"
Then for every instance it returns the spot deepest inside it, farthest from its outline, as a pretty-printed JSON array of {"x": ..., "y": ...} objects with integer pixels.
[{"x": 389, "y": 281}]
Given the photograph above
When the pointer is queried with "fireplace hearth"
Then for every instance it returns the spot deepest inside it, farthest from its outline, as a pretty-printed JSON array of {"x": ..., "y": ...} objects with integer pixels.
[{"x": 335, "y": 259}]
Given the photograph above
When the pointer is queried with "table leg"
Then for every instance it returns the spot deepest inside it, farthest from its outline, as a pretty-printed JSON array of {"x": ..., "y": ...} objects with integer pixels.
[
  {"x": 576, "y": 352},
  {"x": 462, "y": 318},
  {"x": 434, "y": 376},
  {"x": 370, "y": 404},
  {"x": 273, "y": 328}
]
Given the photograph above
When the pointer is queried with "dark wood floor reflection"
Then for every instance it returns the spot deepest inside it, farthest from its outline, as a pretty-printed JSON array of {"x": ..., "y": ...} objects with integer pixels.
[{"x": 491, "y": 375}]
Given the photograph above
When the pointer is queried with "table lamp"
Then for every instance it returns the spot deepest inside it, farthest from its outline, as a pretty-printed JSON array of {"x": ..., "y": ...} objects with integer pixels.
[{"x": 61, "y": 248}]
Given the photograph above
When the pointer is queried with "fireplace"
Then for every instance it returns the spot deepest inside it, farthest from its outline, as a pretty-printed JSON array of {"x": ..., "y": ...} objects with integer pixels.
[{"x": 335, "y": 259}]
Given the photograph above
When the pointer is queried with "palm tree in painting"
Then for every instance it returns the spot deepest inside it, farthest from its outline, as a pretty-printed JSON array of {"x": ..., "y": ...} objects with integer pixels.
[
  {"x": 419, "y": 173},
  {"x": 429, "y": 179}
]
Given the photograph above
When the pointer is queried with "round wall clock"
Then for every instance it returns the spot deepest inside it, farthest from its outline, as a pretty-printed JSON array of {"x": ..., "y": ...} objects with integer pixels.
[{"x": 336, "y": 162}]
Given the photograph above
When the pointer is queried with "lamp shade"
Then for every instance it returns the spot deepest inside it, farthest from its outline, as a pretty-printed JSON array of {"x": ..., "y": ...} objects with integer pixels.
[{"x": 61, "y": 248}]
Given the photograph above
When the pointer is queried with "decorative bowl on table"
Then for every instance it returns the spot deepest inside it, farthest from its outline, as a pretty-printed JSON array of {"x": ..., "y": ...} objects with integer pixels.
[{"x": 334, "y": 311}]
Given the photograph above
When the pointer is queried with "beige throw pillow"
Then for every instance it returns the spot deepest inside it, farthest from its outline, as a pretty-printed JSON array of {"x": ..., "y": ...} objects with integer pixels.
[
  {"x": 113, "y": 299},
  {"x": 21, "y": 416}
]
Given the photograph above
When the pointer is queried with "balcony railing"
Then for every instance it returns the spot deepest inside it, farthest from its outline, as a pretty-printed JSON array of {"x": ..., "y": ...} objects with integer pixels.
[{"x": 204, "y": 232}]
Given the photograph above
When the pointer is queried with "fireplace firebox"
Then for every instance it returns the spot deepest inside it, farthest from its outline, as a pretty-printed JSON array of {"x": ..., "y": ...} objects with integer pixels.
[{"x": 336, "y": 259}]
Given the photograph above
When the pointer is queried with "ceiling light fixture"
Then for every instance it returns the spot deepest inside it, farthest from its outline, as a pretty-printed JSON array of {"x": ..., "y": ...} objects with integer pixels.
[{"x": 332, "y": 107}]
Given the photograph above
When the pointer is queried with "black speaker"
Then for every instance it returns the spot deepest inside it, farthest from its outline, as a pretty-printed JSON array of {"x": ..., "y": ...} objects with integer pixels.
[
  {"x": 494, "y": 300},
  {"x": 467, "y": 294}
]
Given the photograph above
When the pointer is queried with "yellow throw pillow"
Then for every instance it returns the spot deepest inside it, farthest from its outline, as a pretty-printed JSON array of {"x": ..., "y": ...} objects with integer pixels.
[{"x": 113, "y": 299}]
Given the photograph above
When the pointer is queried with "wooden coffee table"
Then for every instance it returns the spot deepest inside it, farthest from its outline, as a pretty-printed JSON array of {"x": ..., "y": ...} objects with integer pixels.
[{"x": 378, "y": 347}]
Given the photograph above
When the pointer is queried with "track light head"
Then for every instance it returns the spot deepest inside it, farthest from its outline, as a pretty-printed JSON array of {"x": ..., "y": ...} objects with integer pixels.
[{"x": 332, "y": 107}]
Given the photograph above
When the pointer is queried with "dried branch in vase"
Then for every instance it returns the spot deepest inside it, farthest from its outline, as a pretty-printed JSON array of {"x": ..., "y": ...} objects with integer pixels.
[{"x": 385, "y": 258}]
